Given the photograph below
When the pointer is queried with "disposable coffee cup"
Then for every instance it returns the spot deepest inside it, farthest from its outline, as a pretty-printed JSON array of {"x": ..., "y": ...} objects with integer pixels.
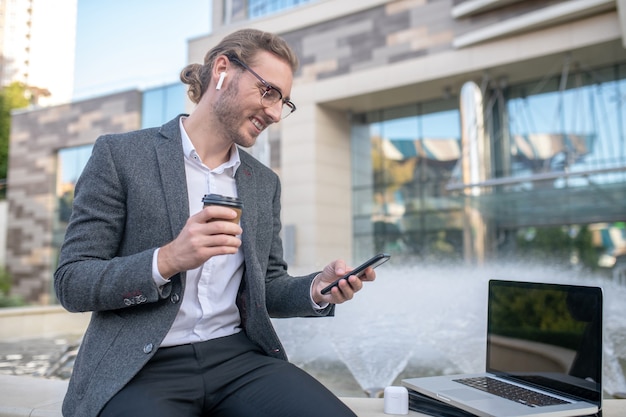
[{"x": 224, "y": 201}]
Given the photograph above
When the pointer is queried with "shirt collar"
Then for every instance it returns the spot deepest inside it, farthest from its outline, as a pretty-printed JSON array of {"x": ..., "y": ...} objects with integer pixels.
[{"x": 190, "y": 153}]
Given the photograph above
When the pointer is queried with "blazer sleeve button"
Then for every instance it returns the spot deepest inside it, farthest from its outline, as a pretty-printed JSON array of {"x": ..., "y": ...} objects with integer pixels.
[{"x": 148, "y": 348}]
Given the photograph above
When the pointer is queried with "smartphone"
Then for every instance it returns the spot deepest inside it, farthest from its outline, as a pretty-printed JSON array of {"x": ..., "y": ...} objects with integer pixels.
[{"x": 381, "y": 258}]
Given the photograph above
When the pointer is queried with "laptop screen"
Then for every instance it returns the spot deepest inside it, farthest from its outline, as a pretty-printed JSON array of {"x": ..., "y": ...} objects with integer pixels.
[{"x": 547, "y": 335}]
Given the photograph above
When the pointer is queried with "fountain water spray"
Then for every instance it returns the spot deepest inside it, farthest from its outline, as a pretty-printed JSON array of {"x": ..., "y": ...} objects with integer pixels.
[{"x": 433, "y": 319}]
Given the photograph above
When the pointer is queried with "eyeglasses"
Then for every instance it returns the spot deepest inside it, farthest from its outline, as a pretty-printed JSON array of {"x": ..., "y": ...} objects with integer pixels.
[{"x": 270, "y": 95}]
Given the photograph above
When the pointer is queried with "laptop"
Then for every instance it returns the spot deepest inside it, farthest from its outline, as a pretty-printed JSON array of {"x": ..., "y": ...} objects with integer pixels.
[{"x": 544, "y": 355}]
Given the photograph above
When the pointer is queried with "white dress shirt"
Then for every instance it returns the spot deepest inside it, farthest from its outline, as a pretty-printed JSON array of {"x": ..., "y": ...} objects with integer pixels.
[{"x": 208, "y": 308}]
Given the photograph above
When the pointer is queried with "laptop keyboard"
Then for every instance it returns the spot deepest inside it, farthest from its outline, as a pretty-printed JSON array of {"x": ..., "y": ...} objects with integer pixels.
[{"x": 511, "y": 392}]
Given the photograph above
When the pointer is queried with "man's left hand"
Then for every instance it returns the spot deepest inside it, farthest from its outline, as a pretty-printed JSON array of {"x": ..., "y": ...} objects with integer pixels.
[{"x": 346, "y": 288}]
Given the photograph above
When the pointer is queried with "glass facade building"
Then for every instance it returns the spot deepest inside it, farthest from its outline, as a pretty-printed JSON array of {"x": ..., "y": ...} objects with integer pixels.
[
  {"x": 401, "y": 204},
  {"x": 230, "y": 11},
  {"x": 556, "y": 157},
  {"x": 476, "y": 131},
  {"x": 260, "y": 8}
]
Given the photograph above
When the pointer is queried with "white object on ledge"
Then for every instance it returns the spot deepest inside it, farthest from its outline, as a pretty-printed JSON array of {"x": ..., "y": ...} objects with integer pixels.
[{"x": 396, "y": 400}]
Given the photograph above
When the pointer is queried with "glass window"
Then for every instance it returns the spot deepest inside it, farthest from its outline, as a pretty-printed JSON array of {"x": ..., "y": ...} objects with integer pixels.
[
  {"x": 406, "y": 171},
  {"x": 400, "y": 200},
  {"x": 259, "y": 8},
  {"x": 162, "y": 104},
  {"x": 574, "y": 126},
  {"x": 71, "y": 162}
]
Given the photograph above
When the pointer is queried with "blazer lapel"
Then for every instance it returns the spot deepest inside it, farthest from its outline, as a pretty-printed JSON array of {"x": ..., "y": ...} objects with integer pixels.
[
  {"x": 246, "y": 190},
  {"x": 169, "y": 152}
]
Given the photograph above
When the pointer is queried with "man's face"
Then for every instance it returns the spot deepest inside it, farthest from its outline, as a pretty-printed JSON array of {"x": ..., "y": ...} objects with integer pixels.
[{"x": 238, "y": 108}]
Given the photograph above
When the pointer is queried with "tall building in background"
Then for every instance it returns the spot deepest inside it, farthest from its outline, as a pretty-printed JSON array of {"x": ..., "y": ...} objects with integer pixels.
[{"x": 37, "y": 42}]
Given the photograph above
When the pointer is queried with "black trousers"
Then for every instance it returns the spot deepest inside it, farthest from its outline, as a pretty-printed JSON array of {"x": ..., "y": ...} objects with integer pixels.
[{"x": 225, "y": 377}]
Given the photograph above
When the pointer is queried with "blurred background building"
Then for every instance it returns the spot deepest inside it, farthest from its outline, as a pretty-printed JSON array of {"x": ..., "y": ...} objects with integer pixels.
[{"x": 445, "y": 131}]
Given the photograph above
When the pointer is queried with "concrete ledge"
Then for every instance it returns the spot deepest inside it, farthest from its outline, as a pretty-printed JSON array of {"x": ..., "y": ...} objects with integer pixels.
[
  {"x": 24, "y": 396},
  {"x": 19, "y": 323}
]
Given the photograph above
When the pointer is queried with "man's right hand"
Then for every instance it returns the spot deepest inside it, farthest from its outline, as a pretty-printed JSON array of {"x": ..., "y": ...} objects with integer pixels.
[{"x": 208, "y": 233}]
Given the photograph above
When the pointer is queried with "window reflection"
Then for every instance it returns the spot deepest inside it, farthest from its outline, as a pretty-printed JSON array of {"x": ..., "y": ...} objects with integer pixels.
[
  {"x": 71, "y": 162},
  {"x": 572, "y": 127},
  {"x": 259, "y": 8},
  {"x": 405, "y": 160},
  {"x": 162, "y": 104},
  {"x": 413, "y": 156}
]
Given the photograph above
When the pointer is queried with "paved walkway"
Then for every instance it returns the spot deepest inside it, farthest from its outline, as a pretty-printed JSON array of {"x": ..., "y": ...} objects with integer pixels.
[{"x": 43, "y": 357}]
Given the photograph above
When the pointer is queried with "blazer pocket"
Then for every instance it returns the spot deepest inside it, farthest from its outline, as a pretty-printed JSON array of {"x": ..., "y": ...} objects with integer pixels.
[{"x": 99, "y": 338}]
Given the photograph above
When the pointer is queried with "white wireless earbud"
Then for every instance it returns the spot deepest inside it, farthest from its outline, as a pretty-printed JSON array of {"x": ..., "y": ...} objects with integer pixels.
[{"x": 220, "y": 81}]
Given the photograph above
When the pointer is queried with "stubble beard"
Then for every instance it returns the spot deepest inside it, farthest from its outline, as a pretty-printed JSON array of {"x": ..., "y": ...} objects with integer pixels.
[{"x": 228, "y": 114}]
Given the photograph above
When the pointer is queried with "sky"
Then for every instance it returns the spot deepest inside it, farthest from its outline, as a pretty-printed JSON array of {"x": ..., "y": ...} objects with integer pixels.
[{"x": 126, "y": 44}]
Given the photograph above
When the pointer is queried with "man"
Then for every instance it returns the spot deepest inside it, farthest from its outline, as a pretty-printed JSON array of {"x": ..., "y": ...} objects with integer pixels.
[{"x": 181, "y": 296}]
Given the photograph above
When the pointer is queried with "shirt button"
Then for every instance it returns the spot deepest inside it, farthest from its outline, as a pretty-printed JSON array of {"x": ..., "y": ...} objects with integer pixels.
[
  {"x": 175, "y": 298},
  {"x": 148, "y": 348}
]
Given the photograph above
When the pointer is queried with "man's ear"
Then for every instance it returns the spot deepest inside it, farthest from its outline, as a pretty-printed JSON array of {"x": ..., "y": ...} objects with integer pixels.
[{"x": 219, "y": 71}]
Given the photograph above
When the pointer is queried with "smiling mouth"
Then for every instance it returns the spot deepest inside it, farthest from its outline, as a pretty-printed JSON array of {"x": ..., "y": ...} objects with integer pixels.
[{"x": 260, "y": 126}]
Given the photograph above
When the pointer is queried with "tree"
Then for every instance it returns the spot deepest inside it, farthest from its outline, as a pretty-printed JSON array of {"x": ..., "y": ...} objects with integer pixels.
[{"x": 14, "y": 96}]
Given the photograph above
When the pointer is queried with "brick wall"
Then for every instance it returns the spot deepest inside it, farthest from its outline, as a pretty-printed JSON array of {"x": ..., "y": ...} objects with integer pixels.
[
  {"x": 393, "y": 32},
  {"x": 36, "y": 136}
]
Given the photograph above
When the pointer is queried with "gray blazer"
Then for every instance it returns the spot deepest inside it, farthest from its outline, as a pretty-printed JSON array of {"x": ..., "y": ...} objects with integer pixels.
[{"x": 130, "y": 199}]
